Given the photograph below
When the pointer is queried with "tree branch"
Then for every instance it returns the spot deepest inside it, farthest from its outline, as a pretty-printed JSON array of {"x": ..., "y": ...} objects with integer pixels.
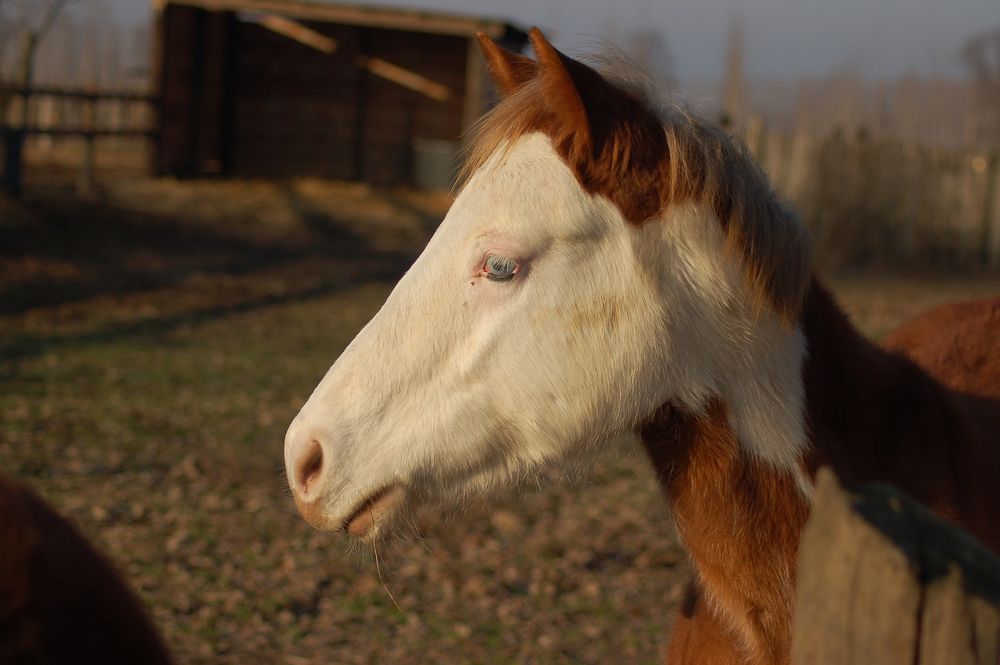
[{"x": 50, "y": 16}]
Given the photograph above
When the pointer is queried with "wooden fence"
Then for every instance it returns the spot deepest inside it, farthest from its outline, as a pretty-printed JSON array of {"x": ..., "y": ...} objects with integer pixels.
[
  {"x": 883, "y": 581},
  {"x": 868, "y": 198},
  {"x": 69, "y": 112}
]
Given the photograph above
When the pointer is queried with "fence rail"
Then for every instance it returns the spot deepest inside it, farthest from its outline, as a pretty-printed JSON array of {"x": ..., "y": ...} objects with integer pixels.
[
  {"x": 92, "y": 94},
  {"x": 57, "y": 111},
  {"x": 868, "y": 199},
  {"x": 85, "y": 132}
]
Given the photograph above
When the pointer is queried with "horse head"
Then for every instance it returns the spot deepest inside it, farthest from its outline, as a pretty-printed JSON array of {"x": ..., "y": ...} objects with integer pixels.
[{"x": 601, "y": 260}]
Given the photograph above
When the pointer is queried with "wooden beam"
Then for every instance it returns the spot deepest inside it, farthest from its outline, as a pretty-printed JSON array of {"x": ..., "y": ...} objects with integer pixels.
[
  {"x": 405, "y": 77},
  {"x": 294, "y": 30},
  {"x": 413, "y": 21}
]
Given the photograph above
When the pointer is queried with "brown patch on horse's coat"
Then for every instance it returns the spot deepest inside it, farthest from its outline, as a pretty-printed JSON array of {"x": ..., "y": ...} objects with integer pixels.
[
  {"x": 873, "y": 416},
  {"x": 643, "y": 161},
  {"x": 60, "y": 600},
  {"x": 604, "y": 310},
  {"x": 948, "y": 342},
  {"x": 739, "y": 518}
]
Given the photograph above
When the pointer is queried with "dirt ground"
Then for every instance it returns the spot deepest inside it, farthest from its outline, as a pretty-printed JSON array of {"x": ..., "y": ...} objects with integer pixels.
[{"x": 156, "y": 341}]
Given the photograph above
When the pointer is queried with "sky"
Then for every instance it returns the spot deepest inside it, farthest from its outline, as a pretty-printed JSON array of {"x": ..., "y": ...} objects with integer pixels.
[{"x": 785, "y": 39}]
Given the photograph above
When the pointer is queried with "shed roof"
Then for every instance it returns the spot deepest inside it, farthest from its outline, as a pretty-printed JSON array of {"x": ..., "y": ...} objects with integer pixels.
[{"x": 413, "y": 20}]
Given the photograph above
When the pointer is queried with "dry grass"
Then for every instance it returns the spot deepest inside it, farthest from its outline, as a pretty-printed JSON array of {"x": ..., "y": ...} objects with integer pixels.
[{"x": 154, "y": 344}]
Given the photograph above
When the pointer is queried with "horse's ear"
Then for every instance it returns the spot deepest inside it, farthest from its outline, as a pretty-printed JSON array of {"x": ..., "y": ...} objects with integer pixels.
[
  {"x": 508, "y": 70},
  {"x": 563, "y": 80}
]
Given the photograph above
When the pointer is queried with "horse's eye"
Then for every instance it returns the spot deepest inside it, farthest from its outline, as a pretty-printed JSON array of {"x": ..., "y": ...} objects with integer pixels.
[{"x": 500, "y": 268}]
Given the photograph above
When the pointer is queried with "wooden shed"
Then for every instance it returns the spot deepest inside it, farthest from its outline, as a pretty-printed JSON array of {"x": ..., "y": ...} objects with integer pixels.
[{"x": 285, "y": 88}]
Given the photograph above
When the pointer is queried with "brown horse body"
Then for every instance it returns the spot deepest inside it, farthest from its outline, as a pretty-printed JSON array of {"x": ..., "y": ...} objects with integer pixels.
[
  {"x": 874, "y": 415},
  {"x": 61, "y": 601}
]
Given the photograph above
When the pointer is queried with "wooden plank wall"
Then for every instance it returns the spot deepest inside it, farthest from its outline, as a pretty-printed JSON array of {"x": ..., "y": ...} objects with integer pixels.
[
  {"x": 397, "y": 115},
  {"x": 298, "y": 111},
  {"x": 294, "y": 106},
  {"x": 195, "y": 55},
  {"x": 177, "y": 36},
  {"x": 212, "y": 116},
  {"x": 242, "y": 100}
]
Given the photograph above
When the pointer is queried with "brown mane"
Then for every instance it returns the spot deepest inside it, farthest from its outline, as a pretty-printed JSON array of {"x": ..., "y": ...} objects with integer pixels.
[{"x": 643, "y": 160}]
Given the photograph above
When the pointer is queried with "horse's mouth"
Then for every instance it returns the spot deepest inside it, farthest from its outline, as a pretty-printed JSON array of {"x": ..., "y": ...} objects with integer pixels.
[{"x": 365, "y": 520}]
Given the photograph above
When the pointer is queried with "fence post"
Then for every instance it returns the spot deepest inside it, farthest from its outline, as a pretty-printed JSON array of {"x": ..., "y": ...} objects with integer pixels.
[
  {"x": 13, "y": 149},
  {"x": 85, "y": 181},
  {"x": 882, "y": 580}
]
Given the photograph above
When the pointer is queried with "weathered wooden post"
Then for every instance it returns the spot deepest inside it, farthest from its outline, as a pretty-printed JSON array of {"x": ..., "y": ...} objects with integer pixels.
[
  {"x": 13, "y": 149},
  {"x": 15, "y": 139},
  {"x": 883, "y": 581},
  {"x": 85, "y": 181}
]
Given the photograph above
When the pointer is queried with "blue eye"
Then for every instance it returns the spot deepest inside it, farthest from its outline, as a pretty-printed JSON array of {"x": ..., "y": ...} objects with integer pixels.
[{"x": 500, "y": 268}]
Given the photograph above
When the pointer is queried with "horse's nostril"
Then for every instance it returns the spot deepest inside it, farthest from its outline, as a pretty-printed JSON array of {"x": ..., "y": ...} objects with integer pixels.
[{"x": 309, "y": 466}]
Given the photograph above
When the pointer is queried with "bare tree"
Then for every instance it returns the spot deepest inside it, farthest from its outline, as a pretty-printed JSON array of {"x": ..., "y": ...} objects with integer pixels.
[
  {"x": 34, "y": 20},
  {"x": 38, "y": 21},
  {"x": 8, "y": 28},
  {"x": 981, "y": 54}
]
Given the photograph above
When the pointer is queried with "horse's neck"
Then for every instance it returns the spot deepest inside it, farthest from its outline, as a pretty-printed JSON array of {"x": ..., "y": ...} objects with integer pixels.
[{"x": 740, "y": 517}]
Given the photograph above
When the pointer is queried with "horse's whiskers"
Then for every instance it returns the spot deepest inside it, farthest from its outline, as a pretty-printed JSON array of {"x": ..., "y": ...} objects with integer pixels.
[{"x": 378, "y": 568}]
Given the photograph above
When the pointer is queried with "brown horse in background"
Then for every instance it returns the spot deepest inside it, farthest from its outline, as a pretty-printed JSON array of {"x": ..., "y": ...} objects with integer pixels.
[
  {"x": 957, "y": 343},
  {"x": 61, "y": 601}
]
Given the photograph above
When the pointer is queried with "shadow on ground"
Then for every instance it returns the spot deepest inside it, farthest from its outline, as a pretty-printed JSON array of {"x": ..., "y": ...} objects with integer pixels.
[{"x": 60, "y": 253}]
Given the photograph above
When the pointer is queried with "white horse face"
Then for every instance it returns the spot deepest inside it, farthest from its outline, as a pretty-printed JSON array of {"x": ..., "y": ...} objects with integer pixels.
[{"x": 526, "y": 330}]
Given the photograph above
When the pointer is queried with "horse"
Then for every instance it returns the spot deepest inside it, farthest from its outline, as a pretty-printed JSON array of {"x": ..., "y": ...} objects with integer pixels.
[
  {"x": 62, "y": 601},
  {"x": 610, "y": 268},
  {"x": 948, "y": 342}
]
